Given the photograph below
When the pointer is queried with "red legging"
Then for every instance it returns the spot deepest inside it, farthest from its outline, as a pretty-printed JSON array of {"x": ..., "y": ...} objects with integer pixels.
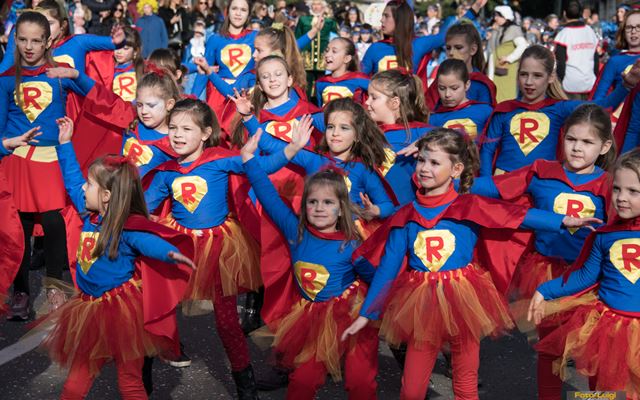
[
  {"x": 229, "y": 330},
  {"x": 79, "y": 381},
  {"x": 465, "y": 357},
  {"x": 549, "y": 384},
  {"x": 360, "y": 369}
]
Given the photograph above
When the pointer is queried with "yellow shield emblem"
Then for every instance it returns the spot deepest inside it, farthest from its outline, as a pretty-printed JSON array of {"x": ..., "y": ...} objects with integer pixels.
[
  {"x": 137, "y": 152},
  {"x": 434, "y": 247},
  {"x": 124, "y": 85},
  {"x": 236, "y": 57},
  {"x": 529, "y": 129},
  {"x": 335, "y": 92},
  {"x": 312, "y": 278},
  {"x": 88, "y": 242},
  {"x": 388, "y": 62},
  {"x": 625, "y": 256},
  {"x": 464, "y": 125},
  {"x": 35, "y": 97},
  {"x": 189, "y": 191},
  {"x": 574, "y": 205},
  {"x": 281, "y": 130}
]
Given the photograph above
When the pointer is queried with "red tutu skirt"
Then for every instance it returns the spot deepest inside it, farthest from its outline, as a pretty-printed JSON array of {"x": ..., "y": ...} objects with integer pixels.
[
  {"x": 533, "y": 270},
  {"x": 313, "y": 329},
  {"x": 35, "y": 179},
  {"x": 227, "y": 259},
  {"x": 604, "y": 343},
  {"x": 90, "y": 330},
  {"x": 428, "y": 307}
]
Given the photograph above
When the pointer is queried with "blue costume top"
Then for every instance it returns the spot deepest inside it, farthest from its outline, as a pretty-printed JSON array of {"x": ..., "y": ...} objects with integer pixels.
[
  {"x": 381, "y": 56},
  {"x": 125, "y": 81},
  {"x": 478, "y": 90},
  {"x": 139, "y": 146},
  {"x": 43, "y": 101},
  {"x": 527, "y": 132},
  {"x": 611, "y": 75},
  {"x": 95, "y": 276},
  {"x": 322, "y": 266},
  {"x": 469, "y": 117},
  {"x": 632, "y": 134},
  {"x": 613, "y": 263},
  {"x": 348, "y": 85},
  {"x": 200, "y": 193}
]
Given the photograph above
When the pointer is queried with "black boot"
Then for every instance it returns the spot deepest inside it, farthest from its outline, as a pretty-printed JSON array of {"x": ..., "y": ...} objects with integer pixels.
[
  {"x": 399, "y": 354},
  {"x": 147, "y": 372},
  {"x": 245, "y": 384},
  {"x": 250, "y": 320},
  {"x": 275, "y": 379}
]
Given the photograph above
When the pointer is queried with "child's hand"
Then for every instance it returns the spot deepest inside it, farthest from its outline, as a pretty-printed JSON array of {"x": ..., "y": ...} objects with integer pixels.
[
  {"x": 573, "y": 222},
  {"x": 369, "y": 210},
  {"x": 182, "y": 259},
  {"x": 117, "y": 35},
  {"x": 300, "y": 135},
  {"x": 65, "y": 125},
  {"x": 317, "y": 27},
  {"x": 536, "y": 308},
  {"x": 410, "y": 150},
  {"x": 61, "y": 73},
  {"x": 203, "y": 65},
  {"x": 354, "y": 328},
  {"x": 249, "y": 149},
  {"x": 22, "y": 140},
  {"x": 243, "y": 104},
  {"x": 631, "y": 78}
]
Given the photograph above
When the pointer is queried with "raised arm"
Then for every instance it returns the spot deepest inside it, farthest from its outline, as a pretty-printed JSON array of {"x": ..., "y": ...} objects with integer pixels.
[{"x": 490, "y": 145}]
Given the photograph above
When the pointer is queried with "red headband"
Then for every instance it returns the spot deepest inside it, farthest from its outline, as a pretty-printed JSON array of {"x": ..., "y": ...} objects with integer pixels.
[{"x": 151, "y": 68}]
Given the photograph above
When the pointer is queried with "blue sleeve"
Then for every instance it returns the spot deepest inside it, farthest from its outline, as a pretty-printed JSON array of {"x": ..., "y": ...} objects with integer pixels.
[
  {"x": 318, "y": 121},
  {"x": 269, "y": 164},
  {"x": 484, "y": 96},
  {"x": 306, "y": 159},
  {"x": 199, "y": 84},
  {"x": 243, "y": 82},
  {"x": 82, "y": 84},
  {"x": 72, "y": 174},
  {"x": 394, "y": 252},
  {"x": 94, "y": 42},
  {"x": 632, "y": 136},
  {"x": 318, "y": 95},
  {"x": 364, "y": 269},
  {"x": 542, "y": 220},
  {"x": 156, "y": 192},
  {"x": 485, "y": 186},
  {"x": 490, "y": 146},
  {"x": 280, "y": 214},
  {"x": 605, "y": 82},
  {"x": 378, "y": 195},
  {"x": 191, "y": 67},
  {"x": 614, "y": 99},
  {"x": 367, "y": 65},
  {"x": 579, "y": 280},
  {"x": 252, "y": 126},
  {"x": 4, "y": 151},
  {"x": 7, "y": 59},
  {"x": 150, "y": 245},
  {"x": 303, "y": 41},
  {"x": 6, "y": 95}
]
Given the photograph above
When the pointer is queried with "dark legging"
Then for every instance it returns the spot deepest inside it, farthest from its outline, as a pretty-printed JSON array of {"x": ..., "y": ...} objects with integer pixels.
[{"x": 55, "y": 246}]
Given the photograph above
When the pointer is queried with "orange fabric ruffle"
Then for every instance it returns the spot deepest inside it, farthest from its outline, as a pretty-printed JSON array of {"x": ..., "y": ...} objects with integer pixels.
[
  {"x": 428, "y": 307},
  {"x": 533, "y": 270}
]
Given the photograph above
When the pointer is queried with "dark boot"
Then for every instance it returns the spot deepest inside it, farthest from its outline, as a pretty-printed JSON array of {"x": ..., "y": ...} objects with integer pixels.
[
  {"x": 399, "y": 354},
  {"x": 275, "y": 379},
  {"x": 250, "y": 320},
  {"x": 245, "y": 384},
  {"x": 147, "y": 373}
]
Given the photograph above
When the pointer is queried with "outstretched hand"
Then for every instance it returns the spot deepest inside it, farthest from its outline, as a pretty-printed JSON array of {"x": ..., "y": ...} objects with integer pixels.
[
  {"x": 249, "y": 149},
  {"x": 631, "y": 78},
  {"x": 62, "y": 72},
  {"x": 182, "y": 259},
  {"x": 65, "y": 125},
  {"x": 203, "y": 65},
  {"x": 410, "y": 150},
  {"x": 22, "y": 140},
  {"x": 242, "y": 101},
  {"x": 369, "y": 210},
  {"x": 354, "y": 328},
  {"x": 536, "y": 308},
  {"x": 574, "y": 222}
]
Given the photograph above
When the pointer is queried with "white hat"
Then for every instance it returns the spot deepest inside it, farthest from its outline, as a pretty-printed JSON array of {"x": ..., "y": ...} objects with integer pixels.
[{"x": 505, "y": 11}]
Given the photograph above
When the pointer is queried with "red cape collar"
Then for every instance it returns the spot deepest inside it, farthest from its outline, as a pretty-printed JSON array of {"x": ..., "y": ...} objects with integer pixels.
[
  {"x": 239, "y": 35},
  {"x": 345, "y": 77},
  {"x": 442, "y": 109},
  {"x": 62, "y": 41},
  {"x": 338, "y": 235},
  {"x": 438, "y": 200},
  {"x": 41, "y": 69},
  {"x": 510, "y": 105},
  {"x": 208, "y": 155},
  {"x": 401, "y": 127},
  {"x": 301, "y": 108}
]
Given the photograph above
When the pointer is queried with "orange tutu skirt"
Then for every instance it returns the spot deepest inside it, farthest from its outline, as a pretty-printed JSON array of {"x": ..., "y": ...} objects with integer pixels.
[
  {"x": 428, "y": 307},
  {"x": 313, "y": 329},
  {"x": 533, "y": 270},
  {"x": 604, "y": 343},
  {"x": 90, "y": 330},
  {"x": 227, "y": 259}
]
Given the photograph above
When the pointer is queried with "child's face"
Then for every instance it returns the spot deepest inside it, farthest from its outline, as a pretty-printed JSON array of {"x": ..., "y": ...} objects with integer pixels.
[
  {"x": 124, "y": 54},
  {"x": 387, "y": 23},
  {"x": 147, "y": 9},
  {"x": 379, "y": 105},
  {"x": 54, "y": 25},
  {"x": 458, "y": 48},
  {"x": 626, "y": 193},
  {"x": 31, "y": 44},
  {"x": 452, "y": 90},
  {"x": 262, "y": 48},
  {"x": 633, "y": 36},
  {"x": 336, "y": 56},
  {"x": 435, "y": 170},
  {"x": 582, "y": 147},
  {"x": 533, "y": 80},
  {"x": 152, "y": 109},
  {"x": 365, "y": 37},
  {"x": 186, "y": 137},
  {"x": 274, "y": 79},
  {"x": 95, "y": 197},
  {"x": 323, "y": 208},
  {"x": 238, "y": 13},
  {"x": 340, "y": 134}
]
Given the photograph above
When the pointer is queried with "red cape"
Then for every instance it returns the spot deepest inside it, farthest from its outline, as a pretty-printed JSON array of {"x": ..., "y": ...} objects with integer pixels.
[
  {"x": 497, "y": 249},
  {"x": 12, "y": 239},
  {"x": 622, "y": 125},
  {"x": 360, "y": 96}
]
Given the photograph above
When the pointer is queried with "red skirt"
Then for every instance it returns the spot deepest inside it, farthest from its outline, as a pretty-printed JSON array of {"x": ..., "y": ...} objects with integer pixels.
[
  {"x": 604, "y": 343},
  {"x": 90, "y": 330},
  {"x": 227, "y": 259},
  {"x": 35, "y": 179},
  {"x": 313, "y": 329},
  {"x": 428, "y": 307},
  {"x": 533, "y": 270}
]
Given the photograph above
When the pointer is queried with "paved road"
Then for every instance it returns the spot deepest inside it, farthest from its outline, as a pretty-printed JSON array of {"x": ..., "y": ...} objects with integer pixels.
[{"x": 507, "y": 371}]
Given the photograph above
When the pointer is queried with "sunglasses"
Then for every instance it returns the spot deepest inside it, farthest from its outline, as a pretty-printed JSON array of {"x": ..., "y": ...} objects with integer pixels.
[
  {"x": 203, "y": 2},
  {"x": 119, "y": 9}
]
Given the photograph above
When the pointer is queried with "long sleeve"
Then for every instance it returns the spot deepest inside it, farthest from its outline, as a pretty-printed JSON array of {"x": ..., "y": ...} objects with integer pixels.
[
  {"x": 280, "y": 214},
  {"x": 394, "y": 252},
  {"x": 318, "y": 121},
  {"x": 5, "y": 98},
  {"x": 490, "y": 145},
  {"x": 150, "y": 245},
  {"x": 82, "y": 84},
  {"x": 243, "y": 82},
  {"x": 364, "y": 269},
  {"x": 269, "y": 164},
  {"x": 521, "y": 45},
  {"x": 72, "y": 174},
  {"x": 579, "y": 280},
  {"x": 367, "y": 65},
  {"x": 542, "y": 220},
  {"x": 376, "y": 191},
  {"x": 632, "y": 136},
  {"x": 94, "y": 42},
  {"x": 485, "y": 186},
  {"x": 156, "y": 192},
  {"x": 8, "y": 60},
  {"x": 614, "y": 99},
  {"x": 561, "y": 60},
  {"x": 605, "y": 82},
  {"x": 303, "y": 41},
  {"x": 252, "y": 125}
]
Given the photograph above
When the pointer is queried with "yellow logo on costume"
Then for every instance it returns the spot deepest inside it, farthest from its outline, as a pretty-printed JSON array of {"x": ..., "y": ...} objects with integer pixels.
[
  {"x": 335, "y": 92},
  {"x": 124, "y": 85},
  {"x": 574, "y": 205},
  {"x": 625, "y": 256},
  {"x": 347, "y": 182},
  {"x": 434, "y": 247},
  {"x": 464, "y": 125},
  {"x": 137, "y": 152},
  {"x": 312, "y": 278},
  {"x": 35, "y": 97},
  {"x": 281, "y": 130},
  {"x": 389, "y": 161},
  {"x": 388, "y": 62},
  {"x": 189, "y": 191},
  {"x": 529, "y": 129},
  {"x": 65, "y": 59},
  {"x": 88, "y": 242},
  {"x": 236, "y": 57}
]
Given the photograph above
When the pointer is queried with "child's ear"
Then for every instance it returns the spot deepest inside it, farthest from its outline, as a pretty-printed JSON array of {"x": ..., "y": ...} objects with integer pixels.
[
  {"x": 170, "y": 104},
  {"x": 208, "y": 131},
  {"x": 394, "y": 103},
  {"x": 474, "y": 49},
  {"x": 467, "y": 85},
  {"x": 106, "y": 196},
  {"x": 347, "y": 59},
  {"x": 290, "y": 81},
  {"x": 457, "y": 170}
]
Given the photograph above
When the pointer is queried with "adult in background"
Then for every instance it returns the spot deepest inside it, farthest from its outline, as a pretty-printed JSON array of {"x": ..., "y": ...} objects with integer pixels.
[
  {"x": 152, "y": 29},
  {"x": 176, "y": 21},
  {"x": 260, "y": 11},
  {"x": 576, "y": 53},
  {"x": 506, "y": 46}
]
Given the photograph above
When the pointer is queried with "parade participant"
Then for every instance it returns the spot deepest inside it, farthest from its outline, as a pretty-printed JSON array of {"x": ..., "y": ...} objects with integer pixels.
[
  {"x": 105, "y": 321},
  {"x": 444, "y": 295},
  {"x": 309, "y": 316},
  {"x": 33, "y": 93},
  {"x": 129, "y": 65},
  {"x": 600, "y": 336},
  {"x": 345, "y": 80},
  {"x": 197, "y": 186},
  {"x": 522, "y": 131}
]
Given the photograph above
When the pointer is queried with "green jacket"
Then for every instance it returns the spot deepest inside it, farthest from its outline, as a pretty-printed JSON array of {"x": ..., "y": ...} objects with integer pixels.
[{"x": 313, "y": 55}]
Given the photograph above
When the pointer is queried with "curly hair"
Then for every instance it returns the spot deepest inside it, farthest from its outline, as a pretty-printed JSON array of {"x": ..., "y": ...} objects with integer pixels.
[{"x": 142, "y": 3}]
